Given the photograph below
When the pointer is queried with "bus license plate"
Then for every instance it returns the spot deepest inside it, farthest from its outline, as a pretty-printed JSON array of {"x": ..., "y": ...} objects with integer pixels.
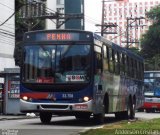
[{"x": 81, "y": 106}]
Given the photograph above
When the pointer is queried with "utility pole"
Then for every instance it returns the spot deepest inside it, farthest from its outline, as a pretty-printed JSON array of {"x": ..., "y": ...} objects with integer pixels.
[
  {"x": 104, "y": 26},
  {"x": 129, "y": 22},
  {"x": 102, "y": 23}
]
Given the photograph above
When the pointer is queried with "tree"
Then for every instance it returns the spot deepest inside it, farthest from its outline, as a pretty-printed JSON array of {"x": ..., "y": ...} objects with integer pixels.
[
  {"x": 150, "y": 41},
  {"x": 21, "y": 28}
]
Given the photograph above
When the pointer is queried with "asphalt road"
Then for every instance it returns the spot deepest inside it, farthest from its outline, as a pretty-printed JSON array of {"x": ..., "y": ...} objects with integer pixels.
[{"x": 59, "y": 125}]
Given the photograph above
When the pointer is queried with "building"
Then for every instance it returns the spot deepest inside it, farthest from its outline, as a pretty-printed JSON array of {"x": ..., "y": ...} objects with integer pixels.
[
  {"x": 64, "y": 8},
  {"x": 7, "y": 34},
  {"x": 91, "y": 16},
  {"x": 117, "y": 12}
]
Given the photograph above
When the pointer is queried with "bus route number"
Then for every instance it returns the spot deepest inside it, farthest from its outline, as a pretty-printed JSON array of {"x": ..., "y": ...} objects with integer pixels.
[{"x": 66, "y": 96}]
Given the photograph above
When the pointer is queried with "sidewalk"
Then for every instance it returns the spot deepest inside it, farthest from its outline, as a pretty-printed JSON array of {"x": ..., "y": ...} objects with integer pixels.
[{"x": 15, "y": 117}]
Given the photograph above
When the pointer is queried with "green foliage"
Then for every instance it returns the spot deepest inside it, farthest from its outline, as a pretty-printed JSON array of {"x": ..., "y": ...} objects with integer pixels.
[
  {"x": 154, "y": 14},
  {"x": 18, "y": 4},
  {"x": 153, "y": 63},
  {"x": 150, "y": 41}
]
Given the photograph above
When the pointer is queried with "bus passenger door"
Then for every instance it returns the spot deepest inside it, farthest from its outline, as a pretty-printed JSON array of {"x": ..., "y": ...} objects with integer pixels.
[{"x": 98, "y": 89}]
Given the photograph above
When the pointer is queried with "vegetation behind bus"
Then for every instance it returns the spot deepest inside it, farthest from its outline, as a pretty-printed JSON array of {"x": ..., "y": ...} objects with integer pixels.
[{"x": 150, "y": 41}]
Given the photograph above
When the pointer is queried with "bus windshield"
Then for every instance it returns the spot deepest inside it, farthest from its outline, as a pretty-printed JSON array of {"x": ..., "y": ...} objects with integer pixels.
[
  {"x": 149, "y": 84},
  {"x": 57, "y": 64}
]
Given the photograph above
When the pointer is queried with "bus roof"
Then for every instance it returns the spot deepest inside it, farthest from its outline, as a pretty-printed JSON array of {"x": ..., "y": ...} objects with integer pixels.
[
  {"x": 59, "y": 30},
  {"x": 152, "y": 71},
  {"x": 118, "y": 48}
]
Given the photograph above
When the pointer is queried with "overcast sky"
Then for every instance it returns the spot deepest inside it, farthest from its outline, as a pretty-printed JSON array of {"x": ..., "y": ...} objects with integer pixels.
[{"x": 93, "y": 14}]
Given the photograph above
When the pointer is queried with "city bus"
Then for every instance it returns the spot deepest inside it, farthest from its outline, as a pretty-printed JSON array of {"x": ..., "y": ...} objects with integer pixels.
[
  {"x": 78, "y": 73},
  {"x": 152, "y": 91}
]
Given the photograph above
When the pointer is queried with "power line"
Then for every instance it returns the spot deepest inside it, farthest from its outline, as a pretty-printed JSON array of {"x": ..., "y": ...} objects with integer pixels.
[
  {"x": 6, "y": 6},
  {"x": 7, "y": 31},
  {"x": 7, "y": 23},
  {"x": 7, "y": 36},
  {"x": 12, "y": 15},
  {"x": 7, "y": 19}
]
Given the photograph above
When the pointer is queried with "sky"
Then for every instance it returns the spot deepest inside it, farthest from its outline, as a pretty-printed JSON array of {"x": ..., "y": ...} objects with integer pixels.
[{"x": 93, "y": 14}]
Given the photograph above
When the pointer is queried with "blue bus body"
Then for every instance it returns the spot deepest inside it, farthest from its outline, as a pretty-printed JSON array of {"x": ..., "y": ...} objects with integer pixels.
[{"x": 83, "y": 74}]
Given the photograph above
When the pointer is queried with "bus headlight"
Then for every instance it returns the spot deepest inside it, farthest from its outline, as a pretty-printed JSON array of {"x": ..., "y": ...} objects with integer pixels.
[
  {"x": 25, "y": 98},
  {"x": 86, "y": 99}
]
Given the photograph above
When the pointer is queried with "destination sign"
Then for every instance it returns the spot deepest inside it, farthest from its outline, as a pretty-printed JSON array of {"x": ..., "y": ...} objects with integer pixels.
[{"x": 58, "y": 36}]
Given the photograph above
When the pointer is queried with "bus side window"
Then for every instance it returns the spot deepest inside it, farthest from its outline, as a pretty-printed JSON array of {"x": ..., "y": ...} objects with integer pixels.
[
  {"x": 141, "y": 70},
  {"x": 122, "y": 64},
  {"x": 105, "y": 58},
  {"x": 137, "y": 69},
  {"x": 111, "y": 60},
  {"x": 132, "y": 68},
  {"x": 128, "y": 66},
  {"x": 98, "y": 60},
  {"x": 117, "y": 63}
]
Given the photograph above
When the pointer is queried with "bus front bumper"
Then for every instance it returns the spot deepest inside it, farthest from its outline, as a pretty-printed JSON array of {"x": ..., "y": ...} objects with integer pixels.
[{"x": 56, "y": 107}]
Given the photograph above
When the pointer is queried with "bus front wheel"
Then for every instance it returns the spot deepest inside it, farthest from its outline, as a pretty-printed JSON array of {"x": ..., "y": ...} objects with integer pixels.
[
  {"x": 131, "y": 110},
  {"x": 45, "y": 117}
]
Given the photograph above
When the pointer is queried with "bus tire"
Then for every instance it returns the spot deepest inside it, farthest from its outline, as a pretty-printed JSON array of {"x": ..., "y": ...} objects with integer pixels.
[
  {"x": 131, "y": 109},
  {"x": 83, "y": 115},
  {"x": 150, "y": 110},
  {"x": 45, "y": 117}
]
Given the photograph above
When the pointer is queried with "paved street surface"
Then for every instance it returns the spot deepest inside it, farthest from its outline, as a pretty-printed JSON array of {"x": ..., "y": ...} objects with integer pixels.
[{"x": 58, "y": 126}]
